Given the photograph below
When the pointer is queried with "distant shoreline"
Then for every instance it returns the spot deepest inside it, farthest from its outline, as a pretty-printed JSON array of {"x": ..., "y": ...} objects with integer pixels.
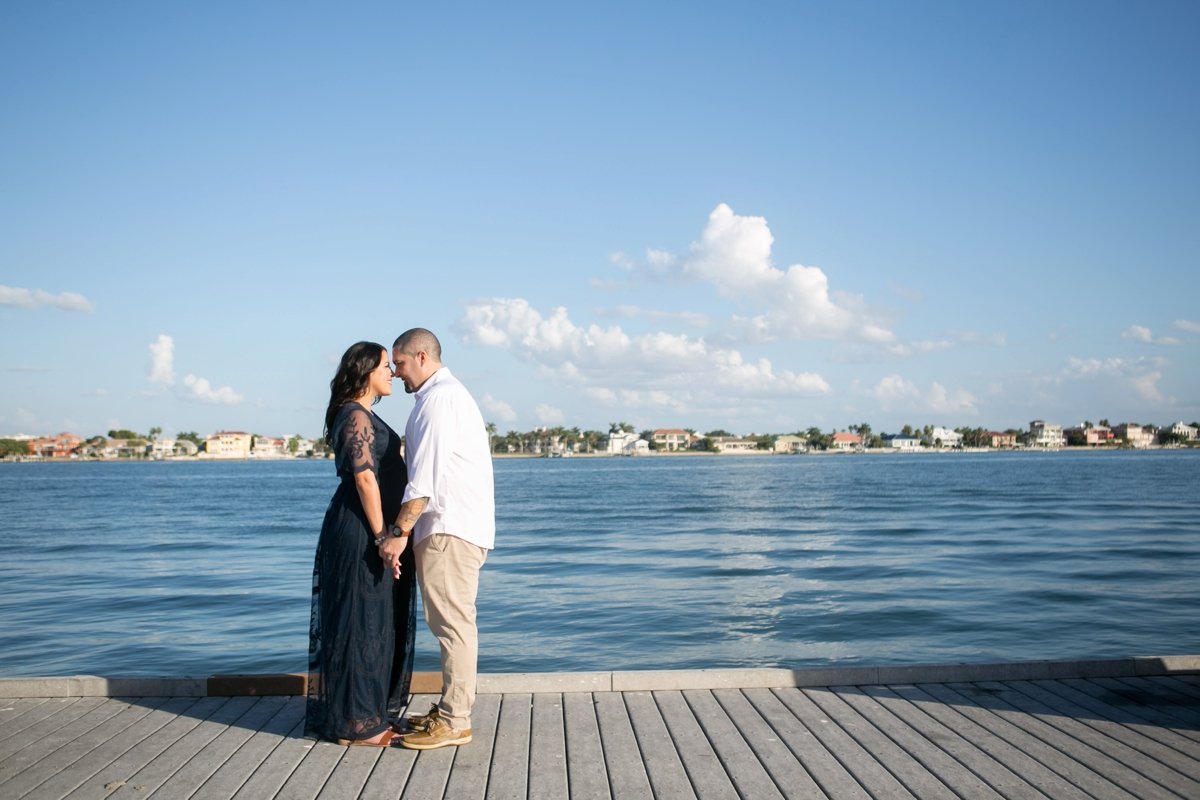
[{"x": 879, "y": 451}]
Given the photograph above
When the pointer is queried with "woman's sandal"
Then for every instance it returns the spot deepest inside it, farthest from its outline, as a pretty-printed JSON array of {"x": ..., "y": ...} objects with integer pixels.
[{"x": 389, "y": 738}]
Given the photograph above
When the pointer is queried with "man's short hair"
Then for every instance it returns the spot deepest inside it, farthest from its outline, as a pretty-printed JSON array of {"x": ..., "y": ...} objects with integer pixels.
[{"x": 414, "y": 340}]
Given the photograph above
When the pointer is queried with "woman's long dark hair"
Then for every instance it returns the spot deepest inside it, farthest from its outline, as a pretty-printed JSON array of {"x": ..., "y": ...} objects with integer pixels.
[{"x": 358, "y": 362}]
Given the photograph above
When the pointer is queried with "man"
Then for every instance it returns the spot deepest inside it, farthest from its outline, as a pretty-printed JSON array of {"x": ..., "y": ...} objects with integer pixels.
[{"x": 449, "y": 511}]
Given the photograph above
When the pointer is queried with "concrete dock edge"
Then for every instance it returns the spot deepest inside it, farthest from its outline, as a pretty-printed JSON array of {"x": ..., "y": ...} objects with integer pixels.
[{"x": 618, "y": 681}]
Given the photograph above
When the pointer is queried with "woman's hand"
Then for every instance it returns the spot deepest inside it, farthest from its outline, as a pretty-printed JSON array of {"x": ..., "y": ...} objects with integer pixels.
[{"x": 391, "y": 550}]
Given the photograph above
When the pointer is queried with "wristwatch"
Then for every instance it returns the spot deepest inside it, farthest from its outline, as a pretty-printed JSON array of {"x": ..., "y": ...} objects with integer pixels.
[{"x": 398, "y": 532}]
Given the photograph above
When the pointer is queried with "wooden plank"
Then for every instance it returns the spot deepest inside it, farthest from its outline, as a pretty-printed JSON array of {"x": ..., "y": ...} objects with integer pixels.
[
  {"x": 548, "y": 749},
  {"x": 180, "y": 752},
  {"x": 350, "y": 774},
  {"x": 909, "y": 772},
  {"x": 510, "y": 755},
  {"x": 1025, "y": 754},
  {"x": 58, "y": 726},
  {"x": 664, "y": 769},
  {"x": 1140, "y": 759},
  {"x": 768, "y": 747},
  {"x": 209, "y": 757},
  {"x": 869, "y": 773},
  {"x": 970, "y": 751},
  {"x": 51, "y": 751},
  {"x": 470, "y": 772},
  {"x": 749, "y": 776},
  {"x": 826, "y": 772},
  {"x": 18, "y": 713},
  {"x": 111, "y": 744},
  {"x": 47, "y": 774},
  {"x": 430, "y": 773},
  {"x": 1163, "y": 701},
  {"x": 306, "y": 780},
  {"x": 626, "y": 773},
  {"x": 431, "y": 768},
  {"x": 275, "y": 770},
  {"x": 391, "y": 774},
  {"x": 239, "y": 767},
  {"x": 120, "y": 769},
  {"x": 919, "y": 744},
  {"x": 1081, "y": 743},
  {"x": 586, "y": 772},
  {"x": 1133, "y": 707},
  {"x": 703, "y": 766}
]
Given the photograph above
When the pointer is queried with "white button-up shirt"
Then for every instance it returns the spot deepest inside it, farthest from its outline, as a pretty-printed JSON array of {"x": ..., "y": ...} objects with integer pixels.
[{"x": 450, "y": 463}]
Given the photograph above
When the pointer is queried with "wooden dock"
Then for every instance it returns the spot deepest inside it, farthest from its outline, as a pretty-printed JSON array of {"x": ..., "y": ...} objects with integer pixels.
[{"x": 1106, "y": 734}]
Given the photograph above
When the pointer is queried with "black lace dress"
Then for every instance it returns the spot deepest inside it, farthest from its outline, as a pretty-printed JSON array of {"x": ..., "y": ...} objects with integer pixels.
[{"x": 360, "y": 651}]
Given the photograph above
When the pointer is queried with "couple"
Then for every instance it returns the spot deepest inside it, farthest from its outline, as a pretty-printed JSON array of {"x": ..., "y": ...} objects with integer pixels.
[{"x": 434, "y": 518}]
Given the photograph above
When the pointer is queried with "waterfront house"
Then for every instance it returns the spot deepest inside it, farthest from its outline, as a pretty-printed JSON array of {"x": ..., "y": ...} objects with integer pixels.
[
  {"x": 64, "y": 445},
  {"x": 227, "y": 444},
  {"x": 673, "y": 439},
  {"x": 905, "y": 444},
  {"x": 1044, "y": 435},
  {"x": 1186, "y": 431},
  {"x": 734, "y": 444},
  {"x": 846, "y": 442},
  {"x": 169, "y": 448},
  {"x": 790, "y": 443},
  {"x": 1090, "y": 435},
  {"x": 268, "y": 447},
  {"x": 999, "y": 439},
  {"x": 946, "y": 438},
  {"x": 1138, "y": 436},
  {"x": 622, "y": 443}
]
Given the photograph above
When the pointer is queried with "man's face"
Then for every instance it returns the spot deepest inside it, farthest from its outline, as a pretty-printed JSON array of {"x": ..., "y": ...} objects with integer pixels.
[{"x": 410, "y": 368}]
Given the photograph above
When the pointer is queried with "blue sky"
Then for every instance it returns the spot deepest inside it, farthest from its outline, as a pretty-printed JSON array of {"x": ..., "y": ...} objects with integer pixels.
[{"x": 759, "y": 216}]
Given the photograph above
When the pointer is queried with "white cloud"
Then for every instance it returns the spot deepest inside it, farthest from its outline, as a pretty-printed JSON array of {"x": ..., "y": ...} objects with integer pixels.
[
  {"x": 200, "y": 389},
  {"x": 609, "y": 365},
  {"x": 896, "y": 392},
  {"x": 1141, "y": 375},
  {"x": 1146, "y": 386},
  {"x": 549, "y": 415},
  {"x": 498, "y": 409},
  {"x": 734, "y": 255},
  {"x": 1186, "y": 325},
  {"x": 162, "y": 360},
  {"x": 24, "y": 298},
  {"x": 162, "y": 371},
  {"x": 958, "y": 401},
  {"x": 1142, "y": 334}
]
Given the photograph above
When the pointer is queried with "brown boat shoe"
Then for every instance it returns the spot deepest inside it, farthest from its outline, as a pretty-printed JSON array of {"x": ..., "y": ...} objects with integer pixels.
[
  {"x": 437, "y": 734},
  {"x": 417, "y": 722}
]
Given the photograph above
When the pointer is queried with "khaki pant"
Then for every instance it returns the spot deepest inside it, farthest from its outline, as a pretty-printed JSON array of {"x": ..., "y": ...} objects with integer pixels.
[{"x": 448, "y": 573}]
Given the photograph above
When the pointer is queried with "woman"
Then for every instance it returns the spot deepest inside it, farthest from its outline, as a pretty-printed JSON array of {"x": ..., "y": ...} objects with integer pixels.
[{"x": 361, "y": 639}]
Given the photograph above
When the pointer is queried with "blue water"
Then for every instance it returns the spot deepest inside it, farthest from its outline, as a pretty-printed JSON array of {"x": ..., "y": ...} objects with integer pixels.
[{"x": 628, "y": 563}]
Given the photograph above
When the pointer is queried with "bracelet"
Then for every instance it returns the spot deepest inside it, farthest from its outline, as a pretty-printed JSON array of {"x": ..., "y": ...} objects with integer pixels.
[{"x": 380, "y": 538}]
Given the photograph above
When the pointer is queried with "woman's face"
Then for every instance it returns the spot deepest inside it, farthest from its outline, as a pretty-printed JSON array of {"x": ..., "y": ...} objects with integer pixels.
[{"x": 380, "y": 381}]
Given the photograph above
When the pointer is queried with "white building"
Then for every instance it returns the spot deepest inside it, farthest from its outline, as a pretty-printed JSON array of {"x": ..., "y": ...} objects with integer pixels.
[
  {"x": 1042, "y": 434},
  {"x": 1137, "y": 436},
  {"x": 790, "y": 443},
  {"x": 945, "y": 437},
  {"x": 622, "y": 443},
  {"x": 905, "y": 444},
  {"x": 1186, "y": 431},
  {"x": 734, "y": 444}
]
